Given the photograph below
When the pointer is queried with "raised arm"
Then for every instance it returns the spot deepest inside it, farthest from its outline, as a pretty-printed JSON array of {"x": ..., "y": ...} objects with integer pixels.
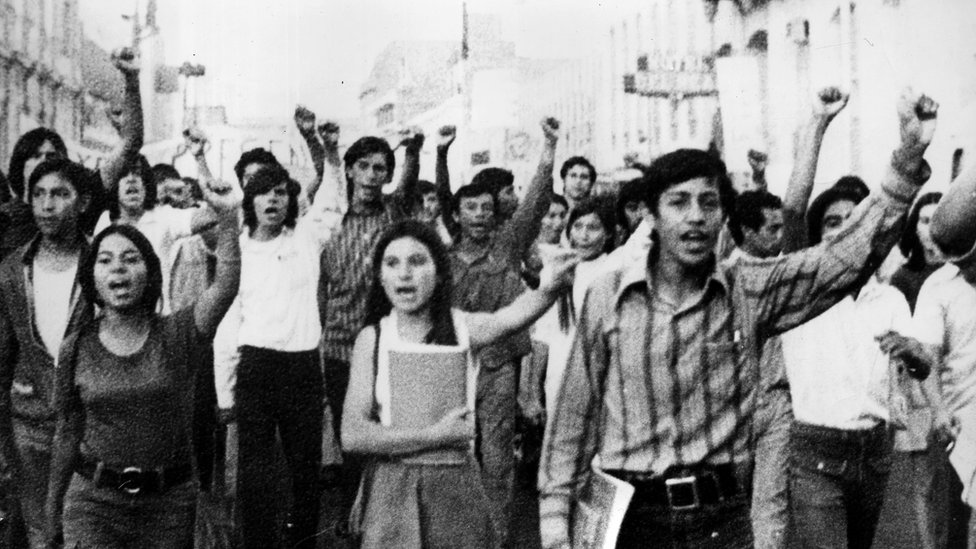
[
  {"x": 954, "y": 219},
  {"x": 558, "y": 265},
  {"x": 362, "y": 434},
  {"x": 517, "y": 236},
  {"x": 70, "y": 425},
  {"x": 442, "y": 176},
  {"x": 757, "y": 163},
  {"x": 196, "y": 144},
  {"x": 828, "y": 103},
  {"x": 797, "y": 287},
  {"x": 131, "y": 123},
  {"x": 413, "y": 142},
  {"x": 225, "y": 201},
  {"x": 305, "y": 122}
]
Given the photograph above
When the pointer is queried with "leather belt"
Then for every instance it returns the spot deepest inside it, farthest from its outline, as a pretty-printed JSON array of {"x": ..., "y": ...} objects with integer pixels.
[
  {"x": 683, "y": 488},
  {"x": 135, "y": 480}
]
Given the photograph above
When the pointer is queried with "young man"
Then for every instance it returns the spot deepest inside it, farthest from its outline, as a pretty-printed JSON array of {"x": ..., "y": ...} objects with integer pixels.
[
  {"x": 757, "y": 225},
  {"x": 485, "y": 264},
  {"x": 662, "y": 379},
  {"x": 40, "y": 302},
  {"x": 578, "y": 177},
  {"x": 172, "y": 189}
]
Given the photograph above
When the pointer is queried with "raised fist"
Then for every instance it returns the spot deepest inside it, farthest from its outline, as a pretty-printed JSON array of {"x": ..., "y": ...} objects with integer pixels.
[
  {"x": 304, "y": 119},
  {"x": 329, "y": 132},
  {"x": 412, "y": 138},
  {"x": 196, "y": 141},
  {"x": 445, "y": 136},
  {"x": 126, "y": 61},
  {"x": 550, "y": 128},
  {"x": 757, "y": 160},
  {"x": 829, "y": 102},
  {"x": 917, "y": 116}
]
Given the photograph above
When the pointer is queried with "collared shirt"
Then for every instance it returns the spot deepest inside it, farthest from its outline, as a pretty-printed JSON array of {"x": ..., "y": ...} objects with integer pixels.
[
  {"x": 649, "y": 386},
  {"x": 485, "y": 285},
  {"x": 838, "y": 374},
  {"x": 345, "y": 276}
]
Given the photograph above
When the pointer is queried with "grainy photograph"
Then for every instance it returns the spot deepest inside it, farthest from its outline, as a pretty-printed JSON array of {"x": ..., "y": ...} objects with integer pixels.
[{"x": 487, "y": 274}]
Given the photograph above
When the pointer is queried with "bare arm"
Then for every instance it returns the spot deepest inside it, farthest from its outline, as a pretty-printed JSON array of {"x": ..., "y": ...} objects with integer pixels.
[
  {"x": 829, "y": 102},
  {"x": 305, "y": 122},
  {"x": 442, "y": 176},
  {"x": 486, "y": 328},
  {"x": 413, "y": 143},
  {"x": 131, "y": 128},
  {"x": 518, "y": 235},
  {"x": 217, "y": 298},
  {"x": 70, "y": 421},
  {"x": 362, "y": 434}
]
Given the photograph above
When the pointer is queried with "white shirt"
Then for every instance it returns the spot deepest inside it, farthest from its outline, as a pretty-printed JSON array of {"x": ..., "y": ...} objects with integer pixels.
[
  {"x": 162, "y": 226},
  {"x": 838, "y": 375},
  {"x": 945, "y": 318},
  {"x": 278, "y": 296},
  {"x": 52, "y": 305}
]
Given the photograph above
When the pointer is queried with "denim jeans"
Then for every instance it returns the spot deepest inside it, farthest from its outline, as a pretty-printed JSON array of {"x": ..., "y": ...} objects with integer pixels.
[
  {"x": 278, "y": 392},
  {"x": 770, "y": 481},
  {"x": 107, "y": 518},
  {"x": 837, "y": 485},
  {"x": 34, "y": 451},
  {"x": 720, "y": 526},
  {"x": 496, "y": 408}
]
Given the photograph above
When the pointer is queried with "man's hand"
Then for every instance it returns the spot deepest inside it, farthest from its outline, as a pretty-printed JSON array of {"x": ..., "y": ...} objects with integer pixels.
[
  {"x": 125, "y": 60},
  {"x": 558, "y": 267},
  {"x": 329, "y": 132},
  {"x": 412, "y": 138},
  {"x": 550, "y": 128},
  {"x": 304, "y": 119},
  {"x": 757, "y": 161},
  {"x": 196, "y": 141},
  {"x": 224, "y": 198},
  {"x": 907, "y": 349},
  {"x": 829, "y": 102},
  {"x": 917, "y": 115},
  {"x": 445, "y": 137},
  {"x": 945, "y": 427}
]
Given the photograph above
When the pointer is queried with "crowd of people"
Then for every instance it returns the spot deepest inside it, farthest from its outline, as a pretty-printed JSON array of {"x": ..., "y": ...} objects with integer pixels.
[{"x": 742, "y": 360}]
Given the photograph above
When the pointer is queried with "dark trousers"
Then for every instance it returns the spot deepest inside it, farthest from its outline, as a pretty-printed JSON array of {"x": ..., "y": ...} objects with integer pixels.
[
  {"x": 346, "y": 480},
  {"x": 278, "y": 391},
  {"x": 204, "y": 418},
  {"x": 837, "y": 485},
  {"x": 723, "y": 525}
]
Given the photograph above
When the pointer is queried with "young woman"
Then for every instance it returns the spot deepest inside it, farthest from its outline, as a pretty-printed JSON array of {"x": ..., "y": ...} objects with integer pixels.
[
  {"x": 550, "y": 229},
  {"x": 590, "y": 230},
  {"x": 406, "y": 504},
  {"x": 279, "y": 379},
  {"x": 132, "y": 200},
  {"x": 121, "y": 470},
  {"x": 924, "y": 257}
]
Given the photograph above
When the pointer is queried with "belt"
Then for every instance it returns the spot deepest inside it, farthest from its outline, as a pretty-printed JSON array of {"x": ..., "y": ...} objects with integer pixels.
[
  {"x": 135, "y": 480},
  {"x": 683, "y": 488}
]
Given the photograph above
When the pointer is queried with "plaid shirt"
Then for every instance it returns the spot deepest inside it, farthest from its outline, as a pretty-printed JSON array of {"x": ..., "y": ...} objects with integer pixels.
[
  {"x": 649, "y": 386},
  {"x": 344, "y": 280}
]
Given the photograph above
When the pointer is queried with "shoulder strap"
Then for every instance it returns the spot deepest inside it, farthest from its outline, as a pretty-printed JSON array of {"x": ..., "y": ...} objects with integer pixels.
[{"x": 375, "y": 407}]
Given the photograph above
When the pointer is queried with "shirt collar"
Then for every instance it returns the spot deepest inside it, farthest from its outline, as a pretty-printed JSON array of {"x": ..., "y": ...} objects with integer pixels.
[{"x": 637, "y": 273}]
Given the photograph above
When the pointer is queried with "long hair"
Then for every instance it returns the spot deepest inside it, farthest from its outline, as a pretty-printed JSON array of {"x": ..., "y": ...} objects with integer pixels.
[
  {"x": 26, "y": 147},
  {"x": 910, "y": 245},
  {"x": 154, "y": 272},
  {"x": 592, "y": 206},
  {"x": 263, "y": 181},
  {"x": 137, "y": 166},
  {"x": 378, "y": 303}
]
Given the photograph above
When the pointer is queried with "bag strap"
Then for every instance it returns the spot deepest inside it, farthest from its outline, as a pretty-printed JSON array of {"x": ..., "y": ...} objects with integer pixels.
[{"x": 375, "y": 407}]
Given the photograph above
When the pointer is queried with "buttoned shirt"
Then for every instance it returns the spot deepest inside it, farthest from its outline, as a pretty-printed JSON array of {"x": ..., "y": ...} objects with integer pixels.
[{"x": 650, "y": 385}]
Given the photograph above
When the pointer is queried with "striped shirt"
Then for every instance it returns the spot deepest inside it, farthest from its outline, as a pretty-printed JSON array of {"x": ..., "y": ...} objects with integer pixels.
[
  {"x": 689, "y": 397},
  {"x": 345, "y": 276}
]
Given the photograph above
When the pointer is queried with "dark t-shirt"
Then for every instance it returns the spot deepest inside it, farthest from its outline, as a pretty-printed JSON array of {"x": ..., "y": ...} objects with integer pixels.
[
  {"x": 909, "y": 281},
  {"x": 137, "y": 408}
]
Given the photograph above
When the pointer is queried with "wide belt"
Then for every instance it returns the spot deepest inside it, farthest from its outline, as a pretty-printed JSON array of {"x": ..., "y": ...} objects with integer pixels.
[
  {"x": 683, "y": 488},
  {"x": 135, "y": 480}
]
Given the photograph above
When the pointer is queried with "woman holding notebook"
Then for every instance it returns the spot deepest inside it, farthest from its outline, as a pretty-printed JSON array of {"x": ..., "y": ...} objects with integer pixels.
[{"x": 410, "y": 405}]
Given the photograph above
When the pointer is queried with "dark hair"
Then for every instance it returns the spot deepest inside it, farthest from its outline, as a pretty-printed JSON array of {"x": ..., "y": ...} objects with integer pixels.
[
  {"x": 378, "y": 304},
  {"x": 138, "y": 166},
  {"x": 475, "y": 188},
  {"x": 79, "y": 176},
  {"x": 748, "y": 212},
  {"x": 558, "y": 199},
  {"x": 422, "y": 189},
  {"x": 195, "y": 191},
  {"x": 577, "y": 161},
  {"x": 910, "y": 245},
  {"x": 591, "y": 206},
  {"x": 26, "y": 147},
  {"x": 163, "y": 172},
  {"x": 854, "y": 184},
  {"x": 254, "y": 156},
  {"x": 495, "y": 178},
  {"x": 154, "y": 278},
  {"x": 631, "y": 191},
  {"x": 820, "y": 204},
  {"x": 683, "y": 165},
  {"x": 265, "y": 179},
  {"x": 365, "y": 146}
]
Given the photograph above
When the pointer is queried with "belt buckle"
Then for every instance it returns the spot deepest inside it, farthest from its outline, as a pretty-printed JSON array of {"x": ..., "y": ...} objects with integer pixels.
[
  {"x": 672, "y": 485},
  {"x": 131, "y": 481}
]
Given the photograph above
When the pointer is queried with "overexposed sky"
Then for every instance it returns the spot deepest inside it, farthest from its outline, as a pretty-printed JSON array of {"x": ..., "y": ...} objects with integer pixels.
[{"x": 263, "y": 56}]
